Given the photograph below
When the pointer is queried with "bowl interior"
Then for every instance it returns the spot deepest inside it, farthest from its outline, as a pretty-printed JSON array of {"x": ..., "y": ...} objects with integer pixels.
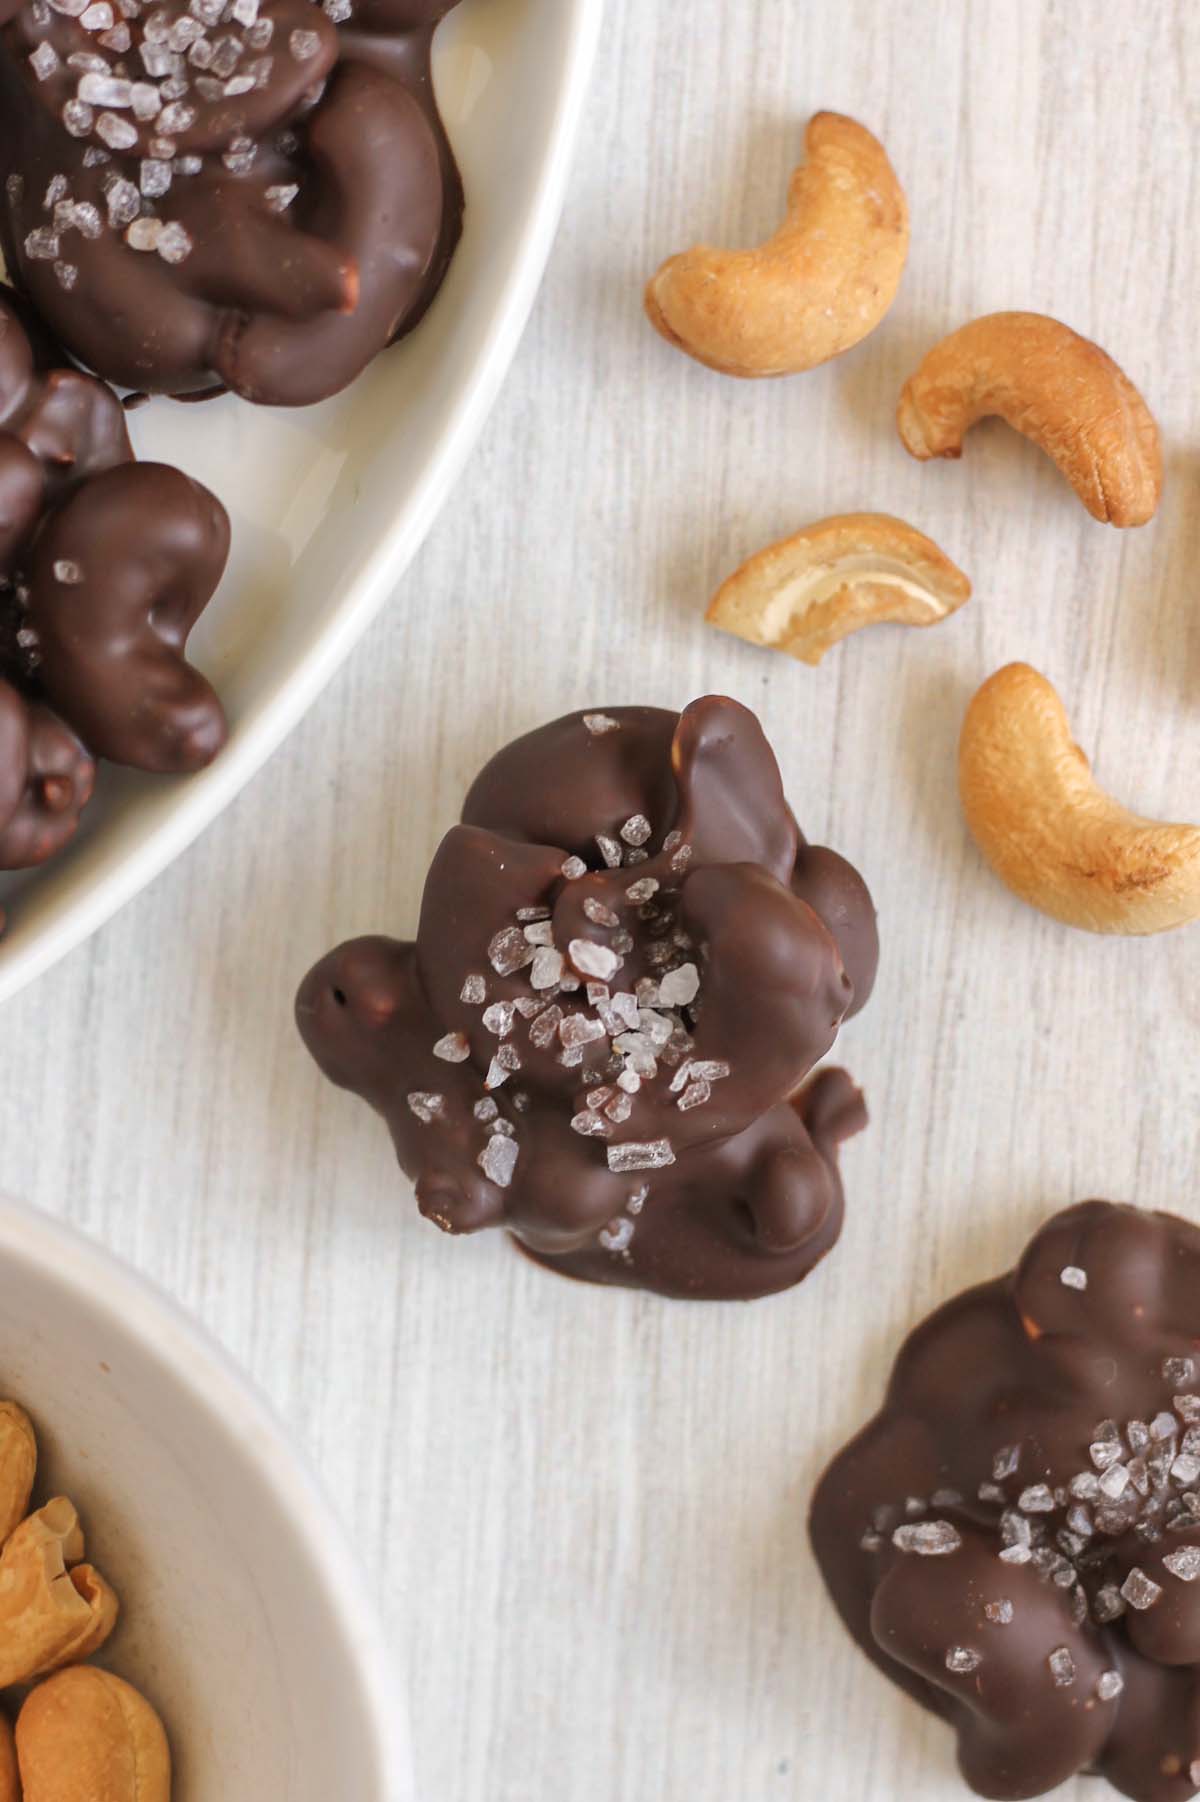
[
  {"x": 243, "y": 1617},
  {"x": 328, "y": 503}
]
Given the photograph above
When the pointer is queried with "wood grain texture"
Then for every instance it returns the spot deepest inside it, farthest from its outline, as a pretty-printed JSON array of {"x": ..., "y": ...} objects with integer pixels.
[{"x": 587, "y": 1507}]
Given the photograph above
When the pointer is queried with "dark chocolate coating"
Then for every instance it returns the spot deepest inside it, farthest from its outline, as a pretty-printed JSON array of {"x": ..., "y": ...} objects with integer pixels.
[
  {"x": 46, "y": 780},
  {"x": 321, "y": 208},
  {"x": 105, "y": 565},
  {"x": 1013, "y": 1404},
  {"x": 742, "y": 923},
  {"x": 147, "y": 547}
]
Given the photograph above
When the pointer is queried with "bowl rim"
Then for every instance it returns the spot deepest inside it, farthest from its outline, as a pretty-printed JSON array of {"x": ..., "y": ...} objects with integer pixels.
[
  {"x": 171, "y": 1338},
  {"x": 200, "y": 799}
]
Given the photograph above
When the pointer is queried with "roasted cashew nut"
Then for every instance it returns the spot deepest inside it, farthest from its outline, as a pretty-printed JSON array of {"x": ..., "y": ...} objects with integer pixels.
[
  {"x": 85, "y": 1734},
  {"x": 1050, "y": 833},
  {"x": 18, "y": 1467},
  {"x": 53, "y": 1608},
  {"x": 1058, "y": 389},
  {"x": 818, "y": 287},
  {"x": 834, "y": 577}
]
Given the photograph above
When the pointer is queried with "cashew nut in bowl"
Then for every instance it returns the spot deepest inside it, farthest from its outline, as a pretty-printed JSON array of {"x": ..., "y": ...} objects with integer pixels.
[
  {"x": 818, "y": 287},
  {"x": 88, "y": 1734},
  {"x": 1050, "y": 833},
  {"x": 1058, "y": 389},
  {"x": 18, "y": 1467},
  {"x": 834, "y": 577},
  {"x": 50, "y": 1613}
]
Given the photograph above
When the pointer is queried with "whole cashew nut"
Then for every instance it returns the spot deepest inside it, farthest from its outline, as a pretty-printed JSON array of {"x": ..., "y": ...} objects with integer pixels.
[
  {"x": 18, "y": 1467},
  {"x": 834, "y": 577},
  {"x": 818, "y": 287},
  {"x": 1050, "y": 833},
  {"x": 53, "y": 1608},
  {"x": 1058, "y": 389},
  {"x": 86, "y": 1734}
]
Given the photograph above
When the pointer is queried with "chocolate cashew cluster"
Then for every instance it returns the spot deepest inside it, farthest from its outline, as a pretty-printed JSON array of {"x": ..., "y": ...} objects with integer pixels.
[
  {"x": 628, "y": 961},
  {"x": 249, "y": 194},
  {"x": 105, "y": 566},
  {"x": 1015, "y": 1538}
]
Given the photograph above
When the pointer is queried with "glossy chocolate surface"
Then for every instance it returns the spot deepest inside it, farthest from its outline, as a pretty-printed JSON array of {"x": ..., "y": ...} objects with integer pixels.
[
  {"x": 245, "y": 195},
  {"x": 105, "y": 565},
  {"x": 628, "y": 962},
  {"x": 1015, "y": 1538}
]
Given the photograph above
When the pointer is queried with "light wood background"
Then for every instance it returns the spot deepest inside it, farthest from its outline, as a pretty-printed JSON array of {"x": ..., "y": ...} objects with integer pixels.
[{"x": 584, "y": 1510}]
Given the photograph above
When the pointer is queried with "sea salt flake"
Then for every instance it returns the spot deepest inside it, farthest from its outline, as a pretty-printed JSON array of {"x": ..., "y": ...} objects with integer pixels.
[
  {"x": 1005, "y": 1463},
  {"x": 1164, "y": 1426},
  {"x": 962, "y": 1660},
  {"x": 1080, "y": 1521},
  {"x": 1186, "y": 1469},
  {"x": 1036, "y": 1499},
  {"x": 629, "y": 1081},
  {"x": 928, "y": 1538},
  {"x": 654, "y": 1154},
  {"x": 426, "y": 1106},
  {"x": 304, "y": 45},
  {"x": 1072, "y": 1277},
  {"x": 636, "y": 829},
  {"x": 577, "y": 1029},
  {"x": 1184, "y": 1564},
  {"x": 1114, "y": 1482},
  {"x": 573, "y": 868},
  {"x": 547, "y": 967},
  {"x": 497, "y": 1074},
  {"x": 695, "y": 1095},
  {"x": 473, "y": 991},
  {"x": 42, "y": 244},
  {"x": 78, "y": 118},
  {"x": 509, "y": 951},
  {"x": 679, "y": 988},
  {"x": 600, "y": 723},
  {"x": 1139, "y": 1590},
  {"x": 154, "y": 178},
  {"x": 1001, "y": 1612},
  {"x": 1104, "y": 1453},
  {"x": 486, "y": 1110},
  {"x": 1062, "y": 1667},
  {"x": 454, "y": 1048},
  {"x": 1016, "y": 1554},
  {"x": 108, "y": 90},
  {"x": 499, "y": 1017},
  {"x": 544, "y": 1030},
  {"x": 617, "y": 1235},
  {"x": 598, "y": 913},
  {"x": 280, "y": 195},
  {"x": 619, "y": 1109},
  {"x": 44, "y": 61},
  {"x": 540, "y": 932},
  {"x": 176, "y": 118},
  {"x": 498, "y": 1160},
  {"x": 98, "y": 17},
  {"x": 591, "y": 959},
  {"x": 610, "y": 850},
  {"x": 1109, "y": 1685},
  {"x": 641, "y": 890},
  {"x": 590, "y": 1125}
]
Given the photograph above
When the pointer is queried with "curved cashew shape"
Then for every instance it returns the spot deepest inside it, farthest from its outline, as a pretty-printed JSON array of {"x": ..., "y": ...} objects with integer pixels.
[
  {"x": 50, "y": 1614},
  {"x": 1058, "y": 389},
  {"x": 1050, "y": 833},
  {"x": 819, "y": 286},
  {"x": 85, "y": 1733},
  {"x": 834, "y": 577},
  {"x": 18, "y": 1467}
]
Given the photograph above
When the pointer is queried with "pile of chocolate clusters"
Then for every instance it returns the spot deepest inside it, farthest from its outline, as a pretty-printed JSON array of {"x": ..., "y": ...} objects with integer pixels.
[
  {"x": 245, "y": 194},
  {"x": 628, "y": 962}
]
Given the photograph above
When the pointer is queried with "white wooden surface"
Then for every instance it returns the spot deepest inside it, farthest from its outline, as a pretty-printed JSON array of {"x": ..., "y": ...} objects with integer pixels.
[{"x": 585, "y": 1509}]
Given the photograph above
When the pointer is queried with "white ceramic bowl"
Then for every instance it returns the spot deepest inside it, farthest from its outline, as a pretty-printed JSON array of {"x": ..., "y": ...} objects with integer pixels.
[
  {"x": 330, "y": 503},
  {"x": 244, "y": 1615}
]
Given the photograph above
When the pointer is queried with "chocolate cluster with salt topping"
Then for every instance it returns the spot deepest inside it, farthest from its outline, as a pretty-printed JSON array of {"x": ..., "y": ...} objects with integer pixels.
[
  {"x": 105, "y": 566},
  {"x": 1015, "y": 1538},
  {"x": 245, "y": 194},
  {"x": 628, "y": 961}
]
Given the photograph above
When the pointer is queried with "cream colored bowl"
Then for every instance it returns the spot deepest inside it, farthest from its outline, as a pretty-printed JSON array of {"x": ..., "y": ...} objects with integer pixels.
[{"x": 245, "y": 1618}]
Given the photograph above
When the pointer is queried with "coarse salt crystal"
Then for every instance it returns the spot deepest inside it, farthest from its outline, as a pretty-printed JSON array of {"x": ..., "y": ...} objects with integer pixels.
[
  {"x": 143, "y": 234},
  {"x": 1186, "y": 1468},
  {"x": 1114, "y": 1482},
  {"x": 1108, "y": 1604},
  {"x": 509, "y": 951},
  {"x": 636, "y": 829},
  {"x": 68, "y": 572},
  {"x": 1000, "y": 1613},
  {"x": 1037, "y": 1499},
  {"x": 928, "y": 1538},
  {"x": 1072, "y": 1277},
  {"x": 573, "y": 868},
  {"x": 304, "y": 45},
  {"x": 454, "y": 1048},
  {"x": 1005, "y": 1463},
  {"x": 591, "y": 959},
  {"x": 1139, "y": 1590},
  {"x": 679, "y": 988},
  {"x": 1015, "y": 1554},
  {"x": 616, "y": 1236},
  {"x": 474, "y": 991},
  {"x": 961, "y": 1660},
  {"x": 695, "y": 1095},
  {"x": 499, "y": 1017},
  {"x": 174, "y": 242},
  {"x": 280, "y": 195},
  {"x": 577, "y": 1029},
  {"x": 42, "y": 244},
  {"x": 610, "y": 850},
  {"x": 1178, "y": 1371},
  {"x": 600, "y": 723},
  {"x": 426, "y": 1106},
  {"x": 1062, "y": 1667},
  {"x": 655, "y": 1154},
  {"x": 547, "y": 967},
  {"x": 44, "y": 61},
  {"x": 1184, "y": 1564},
  {"x": 498, "y": 1160}
]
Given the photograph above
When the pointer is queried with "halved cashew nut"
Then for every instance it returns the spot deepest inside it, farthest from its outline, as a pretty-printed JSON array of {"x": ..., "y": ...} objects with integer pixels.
[
  {"x": 10, "y": 1782},
  {"x": 834, "y": 577},
  {"x": 53, "y": 1608},
  {"x": 18, "y": 1467},
  {"x": 1057, "y": 388},
  {"x": 85, "y": 1734},
  {"x": 1050, "y": 833},
  {"x": 819, "y": 286}
]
